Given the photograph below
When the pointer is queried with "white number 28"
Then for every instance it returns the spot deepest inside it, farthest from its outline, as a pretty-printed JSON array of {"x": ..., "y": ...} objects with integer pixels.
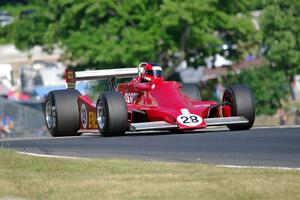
[{"x": 189, "y": 120}]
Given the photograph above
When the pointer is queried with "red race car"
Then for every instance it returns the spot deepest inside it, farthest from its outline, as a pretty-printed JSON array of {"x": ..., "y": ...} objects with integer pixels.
[{"x": 147, "y": 102}]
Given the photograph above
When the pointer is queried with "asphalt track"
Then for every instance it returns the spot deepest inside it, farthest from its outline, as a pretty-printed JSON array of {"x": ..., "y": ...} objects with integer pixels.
[{"x": 268, "y": 147}]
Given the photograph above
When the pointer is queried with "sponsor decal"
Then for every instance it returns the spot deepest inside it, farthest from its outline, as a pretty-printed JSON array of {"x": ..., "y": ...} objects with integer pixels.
[
  {"x": 130, "y": 97},
  {"x": 84, "y": 117},
  {"x": 71, "y": 75},
  {"x": 188, "y": 119},
  {"x": 92, "y": 120},
  {"x": 70, "y": 79},
  {"x": 71, "y": 85},
  {"x": 88, "y": 119}
]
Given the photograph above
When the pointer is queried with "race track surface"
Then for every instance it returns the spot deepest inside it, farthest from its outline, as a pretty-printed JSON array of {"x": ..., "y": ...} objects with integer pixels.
[{"x": 270, "y": 147}]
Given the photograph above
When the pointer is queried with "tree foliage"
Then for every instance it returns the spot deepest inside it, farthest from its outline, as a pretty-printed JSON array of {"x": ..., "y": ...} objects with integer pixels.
[
  {"x": 27, "y": 29},
  {"x": 269, "y": 86},
  {"x": 114, "y": 33},
  {"x": 281, "y": 34},
  {"x": 122, "y": 33}
]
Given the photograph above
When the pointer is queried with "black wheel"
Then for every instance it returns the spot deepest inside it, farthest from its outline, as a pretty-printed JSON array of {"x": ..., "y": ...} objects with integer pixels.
[
  {"x": 242, "y": 103},
  {"x": 112, "y": 116},
  {"x": 62, "y": 113},
  {"x": 191, "y": 90}
]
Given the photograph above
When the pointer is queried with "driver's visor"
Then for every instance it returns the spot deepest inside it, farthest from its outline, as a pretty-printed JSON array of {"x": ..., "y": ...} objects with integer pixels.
[{"x": 156, "y": 71}]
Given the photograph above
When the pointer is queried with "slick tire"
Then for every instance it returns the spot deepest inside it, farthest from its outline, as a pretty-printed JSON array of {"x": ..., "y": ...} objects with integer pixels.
[
  {"x": 62, "y": 113},
  {"x": 242, "y": 103},
  {"x": 191, "y": 90},
  {"x": 111, "y": 112}
]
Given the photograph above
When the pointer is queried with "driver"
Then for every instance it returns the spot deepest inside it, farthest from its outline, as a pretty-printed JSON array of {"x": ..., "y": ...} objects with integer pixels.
[{"x": 151, "y": 72}]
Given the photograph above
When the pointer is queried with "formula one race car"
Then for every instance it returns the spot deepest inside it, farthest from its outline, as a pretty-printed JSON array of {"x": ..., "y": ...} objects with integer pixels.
[{"x": 147, "y": 102}]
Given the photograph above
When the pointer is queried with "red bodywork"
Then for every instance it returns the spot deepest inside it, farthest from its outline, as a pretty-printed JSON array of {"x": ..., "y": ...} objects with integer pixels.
[{"x": 157, "y": 101}]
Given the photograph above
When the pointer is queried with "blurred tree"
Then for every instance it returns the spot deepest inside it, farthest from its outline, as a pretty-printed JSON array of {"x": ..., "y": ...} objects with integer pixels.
[
  {"x": 281, "y": 34},
  {"x": 4, "y": 35},
  {"x": 28, "y": 27},
  {"x": 196, "y": 29},
  {"x": 268, "y": 93},
  {"x": 5, "y": 2},
  {"x": 29, "y": 31},
  {"x": 113, "y": 33}
]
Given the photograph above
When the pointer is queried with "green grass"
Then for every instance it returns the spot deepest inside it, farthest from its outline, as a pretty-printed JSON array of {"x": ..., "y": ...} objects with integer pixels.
[{"x": 51, "y": 178}]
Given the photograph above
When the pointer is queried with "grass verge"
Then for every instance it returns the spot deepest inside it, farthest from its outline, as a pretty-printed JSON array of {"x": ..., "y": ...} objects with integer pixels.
[{"x": 52, "y": 178}]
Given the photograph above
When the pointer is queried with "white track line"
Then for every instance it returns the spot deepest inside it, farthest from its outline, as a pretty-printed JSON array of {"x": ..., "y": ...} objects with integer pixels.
[
  {"x": 227, "y": 166},
  {"x": 257, "y": 167},
  {"x": 275, "y": 127},
  {"x": 50, "y": 156}
]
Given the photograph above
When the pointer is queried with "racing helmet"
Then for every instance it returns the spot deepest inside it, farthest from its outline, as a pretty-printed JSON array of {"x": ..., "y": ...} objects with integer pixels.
[{"x": 151, "y": 72}]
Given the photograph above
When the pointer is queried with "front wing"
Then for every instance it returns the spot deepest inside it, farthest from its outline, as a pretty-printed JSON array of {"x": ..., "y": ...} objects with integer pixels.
[{"x": 162, "y": 125}]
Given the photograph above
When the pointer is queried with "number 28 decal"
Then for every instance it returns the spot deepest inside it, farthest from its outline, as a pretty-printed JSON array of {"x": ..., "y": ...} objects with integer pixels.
[{"x": 189, "y": 120}]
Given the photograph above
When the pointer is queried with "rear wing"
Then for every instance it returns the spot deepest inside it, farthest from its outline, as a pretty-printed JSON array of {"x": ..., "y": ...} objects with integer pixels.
[{"x": 72, "y": 76}]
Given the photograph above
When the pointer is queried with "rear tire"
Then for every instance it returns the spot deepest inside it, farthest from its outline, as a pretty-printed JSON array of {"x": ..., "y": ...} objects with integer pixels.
[
  {"x": 62, "y": 113},
  {"x": 112, "y": 116},
  {"x": 191, "y": 90},
  {"x": 242, "y": 103}
]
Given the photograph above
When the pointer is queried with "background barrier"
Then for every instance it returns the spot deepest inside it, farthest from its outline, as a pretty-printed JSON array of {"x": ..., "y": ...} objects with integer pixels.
[{"x": 28, "y": 119}]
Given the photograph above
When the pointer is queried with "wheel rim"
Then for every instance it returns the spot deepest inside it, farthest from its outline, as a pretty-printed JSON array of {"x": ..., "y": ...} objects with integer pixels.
[
  {"x": 50, "y": 115},
  {"x": 101, "y": 119}
]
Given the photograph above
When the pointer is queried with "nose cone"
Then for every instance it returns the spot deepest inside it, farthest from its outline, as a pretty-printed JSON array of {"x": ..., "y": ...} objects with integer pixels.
[{"x": 190, "y": 120}]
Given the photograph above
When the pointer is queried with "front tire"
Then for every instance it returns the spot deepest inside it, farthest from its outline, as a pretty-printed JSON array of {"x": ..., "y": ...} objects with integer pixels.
[
  {"x": 242, "y": 103},
  {"x": 112, "y": 116},
  {"x": 62, "y": 113}
]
